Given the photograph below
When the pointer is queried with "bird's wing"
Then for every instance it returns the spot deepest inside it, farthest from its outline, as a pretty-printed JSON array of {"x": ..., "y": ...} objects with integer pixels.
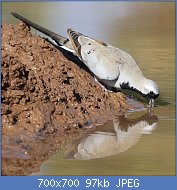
[
  {"x": 98, "y": 56},
  {"x": 73, "y": 37}
]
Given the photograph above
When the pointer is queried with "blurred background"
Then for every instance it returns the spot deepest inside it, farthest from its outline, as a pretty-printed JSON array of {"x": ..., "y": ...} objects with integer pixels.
[{"x": 147, "y": 31}]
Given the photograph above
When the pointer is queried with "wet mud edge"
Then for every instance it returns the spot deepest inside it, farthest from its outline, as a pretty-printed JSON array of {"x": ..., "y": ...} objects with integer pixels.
[{"x": 47, "y": 99}]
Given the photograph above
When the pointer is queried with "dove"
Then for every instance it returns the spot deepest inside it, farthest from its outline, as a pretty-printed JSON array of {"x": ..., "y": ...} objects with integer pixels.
[{"x": 110, "y": 65}]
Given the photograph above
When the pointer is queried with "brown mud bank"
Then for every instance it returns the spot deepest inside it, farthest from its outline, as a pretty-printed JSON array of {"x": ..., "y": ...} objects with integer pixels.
[{"x": 46, "y": 100}]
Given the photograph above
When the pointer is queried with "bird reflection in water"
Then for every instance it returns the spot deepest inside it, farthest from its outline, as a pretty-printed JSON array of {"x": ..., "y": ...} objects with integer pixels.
[{"x": 112, "y": 140}]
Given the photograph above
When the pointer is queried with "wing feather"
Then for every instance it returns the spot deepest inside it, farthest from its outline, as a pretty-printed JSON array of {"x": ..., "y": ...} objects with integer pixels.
[{"x": 73, "y": 36}]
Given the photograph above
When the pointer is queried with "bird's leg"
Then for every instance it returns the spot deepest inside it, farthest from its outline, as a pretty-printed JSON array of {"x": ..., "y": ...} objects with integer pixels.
[{"x": 102, "y": 86}]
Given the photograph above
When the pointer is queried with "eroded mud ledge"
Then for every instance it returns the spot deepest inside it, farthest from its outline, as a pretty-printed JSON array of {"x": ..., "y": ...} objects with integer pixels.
[{"x": 45, "y": 95}]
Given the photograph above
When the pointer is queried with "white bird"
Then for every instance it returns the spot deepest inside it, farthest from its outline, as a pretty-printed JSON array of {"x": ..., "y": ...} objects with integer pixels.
[{"x": 110, "y": 65}]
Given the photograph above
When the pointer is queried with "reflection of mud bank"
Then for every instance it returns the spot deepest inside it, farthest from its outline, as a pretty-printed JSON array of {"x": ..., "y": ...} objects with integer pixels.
[
  {"x": 24, "y": 154},
  {"x": 44, "y": 93}
]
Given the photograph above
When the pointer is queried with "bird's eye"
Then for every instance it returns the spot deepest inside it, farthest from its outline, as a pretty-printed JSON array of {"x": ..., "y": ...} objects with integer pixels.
[
  {"x": 151, "y": 93},
  {"x": 89, "y": 43}
]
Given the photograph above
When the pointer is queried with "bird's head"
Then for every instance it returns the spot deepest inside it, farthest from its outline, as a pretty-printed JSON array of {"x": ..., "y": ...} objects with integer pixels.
[
  {"x": 146, "y": 87},
  {"x": 150, "y": 89}
]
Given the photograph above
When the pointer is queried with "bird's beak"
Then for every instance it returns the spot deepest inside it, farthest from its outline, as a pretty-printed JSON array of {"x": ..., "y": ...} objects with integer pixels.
[{"x": 151, "y": 103}]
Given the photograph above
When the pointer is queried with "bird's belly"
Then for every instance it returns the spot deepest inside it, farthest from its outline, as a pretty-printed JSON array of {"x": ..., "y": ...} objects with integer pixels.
[
  {"x": 106, "y": 73},
  {"x": 103, "y": 72}
]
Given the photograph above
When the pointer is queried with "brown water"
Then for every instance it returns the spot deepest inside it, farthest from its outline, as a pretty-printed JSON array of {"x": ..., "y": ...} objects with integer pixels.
[{"x": 137, "y": 144}]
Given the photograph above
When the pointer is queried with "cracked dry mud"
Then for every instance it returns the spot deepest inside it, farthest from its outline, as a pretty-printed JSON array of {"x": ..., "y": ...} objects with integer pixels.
[{"x": 47, "y": 99}]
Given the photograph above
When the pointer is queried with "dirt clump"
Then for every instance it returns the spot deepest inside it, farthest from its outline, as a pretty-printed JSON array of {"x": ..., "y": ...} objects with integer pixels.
[{"x": 45, "y": 93}]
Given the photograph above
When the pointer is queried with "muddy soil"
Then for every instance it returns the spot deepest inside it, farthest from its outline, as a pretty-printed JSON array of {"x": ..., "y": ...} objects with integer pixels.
[{"x": 48, "y": 97}]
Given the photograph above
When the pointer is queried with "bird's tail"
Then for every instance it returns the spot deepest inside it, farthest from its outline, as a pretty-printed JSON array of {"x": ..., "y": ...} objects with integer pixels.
[{"x": 60, "y": 40}]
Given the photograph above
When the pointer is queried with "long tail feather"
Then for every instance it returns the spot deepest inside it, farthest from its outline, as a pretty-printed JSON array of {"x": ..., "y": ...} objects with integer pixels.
[{"x": 60, "y": 40}]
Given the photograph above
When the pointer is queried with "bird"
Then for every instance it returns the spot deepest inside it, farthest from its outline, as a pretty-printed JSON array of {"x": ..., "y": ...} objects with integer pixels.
[{"x": 110, "y": 65}]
